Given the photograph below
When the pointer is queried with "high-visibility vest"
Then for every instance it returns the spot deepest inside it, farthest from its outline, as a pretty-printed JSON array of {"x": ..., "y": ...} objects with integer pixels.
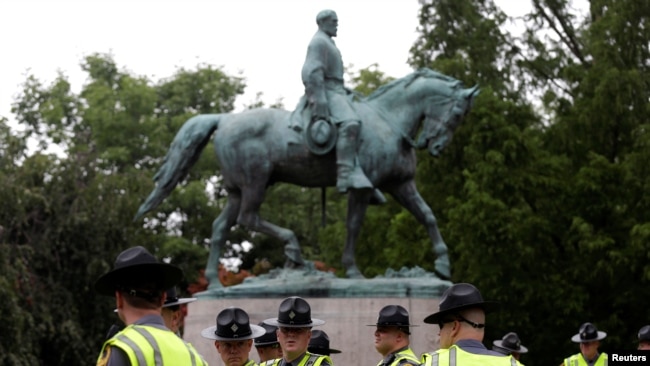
[
  {"x": 456, "y": 356},
  {"x": 309, "y": 359},
  {"x": 579, "y": 360},
  {"x": 405, "y": 355},
  {"x": 150, "y": 346},
  {"x": 250, "y": 363}
]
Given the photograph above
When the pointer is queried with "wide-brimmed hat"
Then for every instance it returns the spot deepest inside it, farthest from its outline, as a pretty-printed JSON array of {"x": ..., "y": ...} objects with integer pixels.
[
  {"x": 508, "y": 344},
  {"x": 294, "y": 312},
  {"x": 137, "y": 267},
  {"x": 393, "y": 316},
  {"x": 320, "y": 344},
  {"x": 458, "y": 297},
  {"x": 588, "y": 333},
  {"x": 173, "y": 299},
  {"x": 269, "y": 337},
  {"x": 644, "y": 333},
  {"x": 233, "y": 324}
]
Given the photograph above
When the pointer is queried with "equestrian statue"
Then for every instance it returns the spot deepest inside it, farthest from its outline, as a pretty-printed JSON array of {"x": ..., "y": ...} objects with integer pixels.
[{"x": 362, "y": 145}]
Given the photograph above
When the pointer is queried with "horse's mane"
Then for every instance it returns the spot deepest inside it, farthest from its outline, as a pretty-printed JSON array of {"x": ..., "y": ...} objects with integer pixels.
[{"x": 408, "y": 79}]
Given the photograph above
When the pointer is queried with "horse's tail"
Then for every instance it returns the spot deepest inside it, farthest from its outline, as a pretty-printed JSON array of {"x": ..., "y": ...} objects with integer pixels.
[{"x": 183, "y": 153}]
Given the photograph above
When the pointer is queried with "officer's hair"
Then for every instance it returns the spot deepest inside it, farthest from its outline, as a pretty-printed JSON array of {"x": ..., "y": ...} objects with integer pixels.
[
  {"x": 143, "y": 298},
  {"x": 324, "y": 15}
]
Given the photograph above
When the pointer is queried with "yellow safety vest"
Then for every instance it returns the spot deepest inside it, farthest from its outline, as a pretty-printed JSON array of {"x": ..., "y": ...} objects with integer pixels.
[
  {"x": 309, "y": 359},
  {"x": 456, "y": 356},
  {"x": 250, "y": 363},
  {"x": 579, "y": 360},
  {"x": 405, "y": 355},
  {"x": 148, "y": 346}
]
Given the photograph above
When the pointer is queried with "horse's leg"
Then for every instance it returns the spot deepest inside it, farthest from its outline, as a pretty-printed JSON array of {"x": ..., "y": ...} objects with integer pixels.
[
  {"x": 357, "y": 204},
  {"x": 252, "y": 197},
  {"x": 220, "y": 229},
  {"x": 409, "y": 197}
]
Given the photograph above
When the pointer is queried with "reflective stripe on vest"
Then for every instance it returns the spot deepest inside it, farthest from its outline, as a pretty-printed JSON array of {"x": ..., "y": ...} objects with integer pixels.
[
  {"x": 450, "y": 357},
  {"x": 309, "y": 359},
  {"x": 147, "y": 345}
]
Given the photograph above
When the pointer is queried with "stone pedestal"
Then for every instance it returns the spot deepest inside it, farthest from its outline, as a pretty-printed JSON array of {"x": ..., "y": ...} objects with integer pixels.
[
  {"x": 347, "y": 306},
  {"x": 346, "y": 321}
]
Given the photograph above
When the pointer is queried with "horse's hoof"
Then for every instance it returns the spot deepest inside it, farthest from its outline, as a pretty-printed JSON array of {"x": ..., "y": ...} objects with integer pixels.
[
  {"x": 353, "y": 273},
  {"x": 215, "y": 286},
  {"x": 441, "y": 266},
  {"x": 290, "y": 264}
]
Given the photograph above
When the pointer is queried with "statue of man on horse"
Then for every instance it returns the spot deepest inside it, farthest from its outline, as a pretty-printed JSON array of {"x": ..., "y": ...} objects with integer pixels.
[{"x": 255, "y": 149}]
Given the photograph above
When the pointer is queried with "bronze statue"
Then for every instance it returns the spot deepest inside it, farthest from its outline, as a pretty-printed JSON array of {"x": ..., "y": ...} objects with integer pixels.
[
  {"x": 256, "y": 149},
  {"x": 328, "y": 101}
]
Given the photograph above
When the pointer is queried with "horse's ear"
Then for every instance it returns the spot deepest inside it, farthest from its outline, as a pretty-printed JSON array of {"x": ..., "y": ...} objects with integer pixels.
[{"x": 471, "y": 93}]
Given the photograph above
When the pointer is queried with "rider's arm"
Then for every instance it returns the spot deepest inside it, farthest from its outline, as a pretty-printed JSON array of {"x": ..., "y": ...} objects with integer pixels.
[{"x": 313, "y": 77}]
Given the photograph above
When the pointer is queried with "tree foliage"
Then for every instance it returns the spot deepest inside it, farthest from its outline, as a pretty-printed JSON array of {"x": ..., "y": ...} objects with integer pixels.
[
  {"x": 545, "y": 202},
  {"x": 67, "y": 215}
]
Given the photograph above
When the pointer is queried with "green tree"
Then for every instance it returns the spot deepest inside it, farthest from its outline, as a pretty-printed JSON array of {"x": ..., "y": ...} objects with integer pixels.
[
  {"x": 67, "y": 216},
  {"x": 544, "y": 202}
]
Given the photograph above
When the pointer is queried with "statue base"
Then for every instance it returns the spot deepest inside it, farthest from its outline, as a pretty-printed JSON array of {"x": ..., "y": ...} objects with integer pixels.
[
  {"x": 348, "y": 306},
  {"x": 414, "y": 283}
]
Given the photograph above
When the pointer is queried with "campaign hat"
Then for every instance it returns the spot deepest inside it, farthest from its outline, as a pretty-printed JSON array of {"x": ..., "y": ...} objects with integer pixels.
[
  {"x": 644, "y": 333},
  {"x": 394, "y": 316},
  {"x": 294, "y": 312},
  {"x": 508, "y": 344},
  {"x": 269, "y": 337},
  {"x": 457, "y": 297},
  {"x": 588, "y": 333},
  {"x": 320, "y": 344},
  {"x": 135, "y": 267},
  {"x": 173, "y": 299},
  {"x": 233, "y": 324}
]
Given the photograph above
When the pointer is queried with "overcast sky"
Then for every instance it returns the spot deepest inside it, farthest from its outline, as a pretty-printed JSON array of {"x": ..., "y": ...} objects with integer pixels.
[{"x": 264, "y": 40}]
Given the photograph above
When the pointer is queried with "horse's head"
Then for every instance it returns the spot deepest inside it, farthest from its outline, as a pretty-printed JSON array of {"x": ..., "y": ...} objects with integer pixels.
[{"x": 442, "y": 118}]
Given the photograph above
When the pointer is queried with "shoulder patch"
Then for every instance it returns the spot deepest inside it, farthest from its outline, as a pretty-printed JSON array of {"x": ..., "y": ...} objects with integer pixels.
[{"x": 103, "y": 360}]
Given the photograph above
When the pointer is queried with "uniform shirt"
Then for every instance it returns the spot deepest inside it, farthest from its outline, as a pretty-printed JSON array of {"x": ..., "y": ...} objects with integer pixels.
[
  {"x": 476, "y": 347},
  {"x": 322, "y": 75}
]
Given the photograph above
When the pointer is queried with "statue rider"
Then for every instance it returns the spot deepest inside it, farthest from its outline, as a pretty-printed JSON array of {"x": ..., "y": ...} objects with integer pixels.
[{"x": 322, "y": 75}]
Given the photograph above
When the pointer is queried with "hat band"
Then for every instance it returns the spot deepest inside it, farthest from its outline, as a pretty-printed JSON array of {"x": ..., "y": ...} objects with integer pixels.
[
  {"x": 221, "y": 333},
  {"x": 293, "y": 322}
]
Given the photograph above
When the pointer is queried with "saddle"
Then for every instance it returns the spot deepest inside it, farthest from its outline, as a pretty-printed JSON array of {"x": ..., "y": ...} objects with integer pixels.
[{"x": 319, "y": 134}]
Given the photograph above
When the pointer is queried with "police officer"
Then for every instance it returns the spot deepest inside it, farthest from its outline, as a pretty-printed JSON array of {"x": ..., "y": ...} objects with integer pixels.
[
  {"x": 295, "y": 322},
  {"x": 510, "y": 344},
  {"x": 320, "y": 343},
  {"x": 172, "y": 312},
  {"x": 461, "y": 320},
  {"x": 589, "y": 338},
  {"x": 138, "y": 282},
  {"x": 392, "y": 337},
  {"x": 233, "y": 336},
  {"x": 267, "y": 345}
]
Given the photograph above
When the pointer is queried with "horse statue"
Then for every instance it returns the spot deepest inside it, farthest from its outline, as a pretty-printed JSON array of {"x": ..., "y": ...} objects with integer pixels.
[{"x": 256, "y": 149}]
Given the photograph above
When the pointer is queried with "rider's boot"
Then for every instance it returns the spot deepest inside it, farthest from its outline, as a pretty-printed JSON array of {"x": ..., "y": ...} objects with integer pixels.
[{"x": 349, "y": 173}]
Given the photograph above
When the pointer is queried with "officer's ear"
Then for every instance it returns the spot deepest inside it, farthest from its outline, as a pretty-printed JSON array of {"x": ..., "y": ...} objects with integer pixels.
[{"x": 163, "y": 298}]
